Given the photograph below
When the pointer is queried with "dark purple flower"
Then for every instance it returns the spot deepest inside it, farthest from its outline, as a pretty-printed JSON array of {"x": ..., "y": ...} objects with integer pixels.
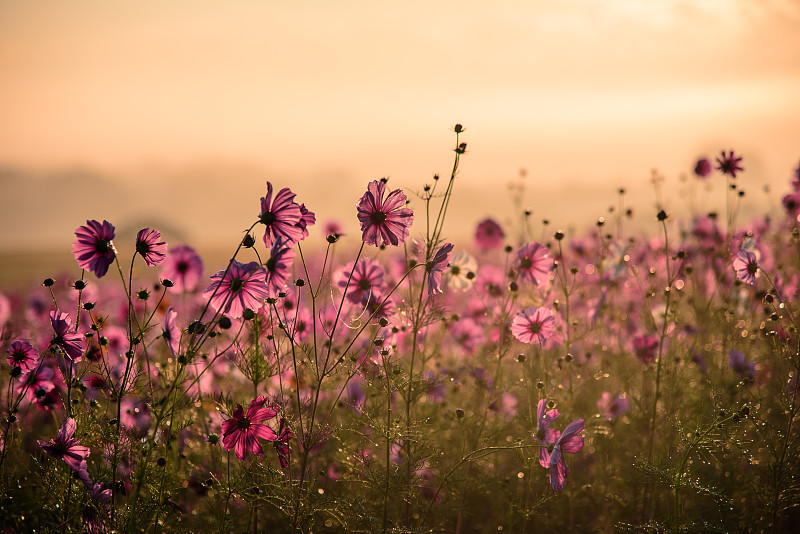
[
  {"x": 150, "y": 247},
  {"x": 567, "y": 442},
  {"x": 241, "y": 286},
  {"x": 281, "y": 443},
  {"x": 383, "y": 222},
  {"x": 489, "y": 235},
  {"x": 66, "y": 338},
  {"x": 22, "y": 355},
  {"x": 94, "y": 248},
  {"x": 746, "y": 266},
  {"x": 66, "y": 447},
  {"x": 282, "y": 217},
  {"x": 535, "y": 263},
  {"x": 437, "y": 266},
  {"x": 241, "y": 432},
  {"x": 729, "y": 163},
  {"x": 703, "y": 168},
  {"x": 279, "y": 267},
  {"x": 183, "y": 267}
]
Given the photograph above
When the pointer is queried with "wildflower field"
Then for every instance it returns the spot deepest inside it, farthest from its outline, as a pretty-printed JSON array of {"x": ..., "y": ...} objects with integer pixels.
[{"x": 602, "y": 380}]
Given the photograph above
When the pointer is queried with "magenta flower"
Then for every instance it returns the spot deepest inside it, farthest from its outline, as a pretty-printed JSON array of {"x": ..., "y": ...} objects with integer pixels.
[
  {"x": 242, "y": 286},
  {"x": 746, "y": 266},
  {"x": 70, "y": 341},
  {"x": 534, "y": 263},
  {"x": 702, "y": 168},
  {"x": 150, "y": 247},
  {"x": 567, "y": 442},
  {"x": 437, "y": 266},
  {"x": 183, "y": 267},
  {"x": 281, "y": 443},
  {"x": 241, "y": 432},
  {"x": 645, "y": 348},
  {"x": 489, "y": 235},
  {"x": 94, "y": 248},
  {"x": 383, "y": 222},
  {"x": 278, "y": 267},
  {"x": 791, "y": 203},
  {"x": 613, "y": 406},
  {"x": 729, "y": 163},
  {"x": 534, "y": 325},
  {"x": 545, "y": 435},
  {"x": 366, "y": 280},
  {"x": 66, "y": 447},
  {"x": 171, "y": 333},
  {"x": 282, "y": 217},
  {"x": 38, "y": 382},
  {"x": 307, "y": 218},
  {"x": 23, "y": 355}
]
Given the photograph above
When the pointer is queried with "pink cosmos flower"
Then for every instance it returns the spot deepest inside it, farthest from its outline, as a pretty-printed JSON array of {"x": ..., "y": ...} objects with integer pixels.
[
  {"x": 183, "y": 267},
  {"x": 23, "y": 355},
  {"x": 534, "y": 325},
  {"x": 489, "y": 235},
  {"x": 150, "y": 247},
  {"x": 567, "y": 442},
  {"x": 613, "y": 406},
  {"x": 241, "y": 432},
  {"x": 171, "y": 332},
  {"x": 66, "y": 447},
  {"x": 534, "y": 263},
  {"x": 791, "y": 203},
  {"x": 279, "y": 267},
  {"x": 645, "y": 348},
  {"x": 281, "y": 216},
  {"x": 281, "y": 443},
  {"x": 545, "y": 435},
  {"x": 94, "y": 248},
  {"x": 38, "y": 382},
  {"x": 746, "y": 266},
  {"x": 307, "y": 218},
  {"x": 703, "y": 168},
  {"x": 729, "y": 163},
  {"x": 365, "y": 282},
  {"x": 242, "y": 286},
  {"x": 383, "y": 222},
  {"x": 436, "y": 267},
  {"x": 70, "y": 341}
]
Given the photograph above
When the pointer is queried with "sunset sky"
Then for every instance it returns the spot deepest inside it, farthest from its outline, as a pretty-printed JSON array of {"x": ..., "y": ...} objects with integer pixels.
[{"x": 177, "y": 113}]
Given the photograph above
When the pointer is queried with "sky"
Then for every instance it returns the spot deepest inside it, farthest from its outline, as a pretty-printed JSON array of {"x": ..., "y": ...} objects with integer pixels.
[{"x": 175, "y": 114}]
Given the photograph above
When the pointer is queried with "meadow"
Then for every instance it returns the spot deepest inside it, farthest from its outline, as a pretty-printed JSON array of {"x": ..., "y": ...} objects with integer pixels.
[{"x": 601, "y": 380}]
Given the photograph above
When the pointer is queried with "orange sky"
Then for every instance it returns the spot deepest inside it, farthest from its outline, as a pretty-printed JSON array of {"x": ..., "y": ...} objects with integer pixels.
[{"x": 207, "y": 100}]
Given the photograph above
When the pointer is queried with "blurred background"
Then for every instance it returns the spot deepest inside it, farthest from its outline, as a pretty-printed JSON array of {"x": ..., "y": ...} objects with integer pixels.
[{"x": 174, "y": 114}]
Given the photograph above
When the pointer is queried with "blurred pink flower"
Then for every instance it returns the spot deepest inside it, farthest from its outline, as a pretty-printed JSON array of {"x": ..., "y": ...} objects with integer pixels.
[
  {"x": 94, "y": 248},
  {"x": 436, "y": 267},
  {"x": 183, "y": 267},
  {"x": 384, "y": 222},
  {"x": 281, "y": 443},
  {"x": 729, "y": 163},
  {"x": 171, "y": 332},
  {"x": 489, "y": 235},
  {"x": 703, "y": 168},
  {"x": 364, "y": 282},
  {"x": 645, "y": 348},
  {"x": 535, "y": 263},
  {"x": 613, "y": 406}
]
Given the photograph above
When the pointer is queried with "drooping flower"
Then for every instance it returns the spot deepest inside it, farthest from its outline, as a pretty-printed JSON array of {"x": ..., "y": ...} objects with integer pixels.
[
  {"x": 94, "y": 248},
  {"x": 183, "y": 267},
  {"x": 241, "y": 286},
  {"x": 489, "y": 235},
  {"x": 436, "y": 267},
  {"x": 746, "y": 266},
  {"x": 729, "y": 163},
  {"x": 66, "y": 338},
  {"x": 150, "y": 247},
  {"x": 171, "y": 333},
  {"x": 23, "y": 355},
  {"x": 278, "y": 267},
  {"x": 66, "y": 447},
  {"x": 383, "y": 221},
  {"x": 281, "y": 443},
  {"x": 242, "y": 431},
  {"x": 534, "y": 325},
  {"x": 281, "y": 216},
  {"x": 567, "y": 442},
  {"x": 365, "y": 279},
  {"x": 645, "y": 348},
  {"x": 702, "y": 168},
  {"x": 462, "y": 271},
  {"x": 535, "y": 263},
  {"x": 545, "y": 435}
]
